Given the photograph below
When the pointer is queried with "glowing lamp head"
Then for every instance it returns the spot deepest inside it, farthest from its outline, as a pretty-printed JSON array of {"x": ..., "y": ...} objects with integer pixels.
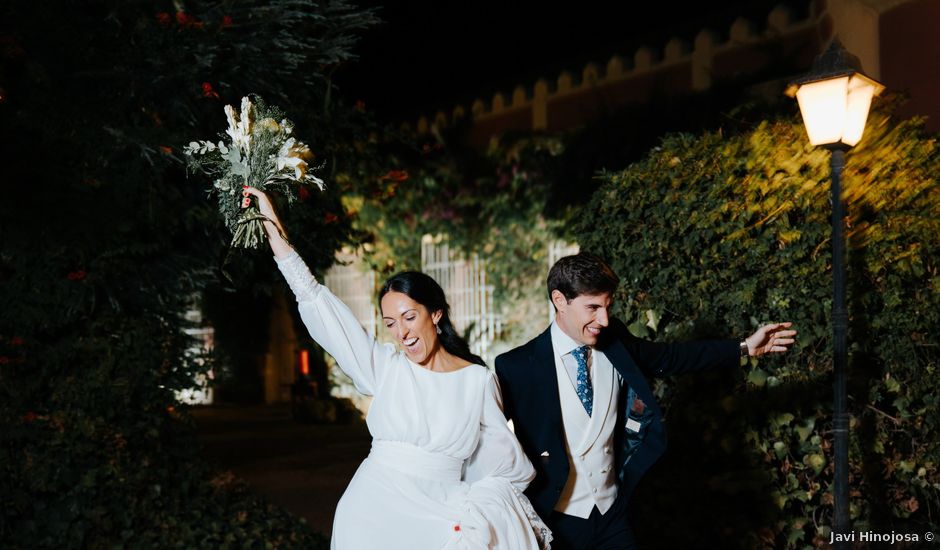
[{"x": 835, "y": 98}]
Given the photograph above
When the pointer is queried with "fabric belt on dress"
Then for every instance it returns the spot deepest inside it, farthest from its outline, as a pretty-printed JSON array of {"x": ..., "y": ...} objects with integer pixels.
[{"x": 415, "y": 461}]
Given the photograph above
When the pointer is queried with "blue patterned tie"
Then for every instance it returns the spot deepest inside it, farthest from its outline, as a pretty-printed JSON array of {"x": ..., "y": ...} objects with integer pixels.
[{"x": 585, "y": 389}]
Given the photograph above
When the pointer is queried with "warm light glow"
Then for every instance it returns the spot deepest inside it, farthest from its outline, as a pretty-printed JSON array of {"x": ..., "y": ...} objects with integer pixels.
[
  {"x": 861, "y": 90},
  {"x": 835, "y": 111},
  {"x": 822, "y": 105},
  {"x": 304, "y": 362}
]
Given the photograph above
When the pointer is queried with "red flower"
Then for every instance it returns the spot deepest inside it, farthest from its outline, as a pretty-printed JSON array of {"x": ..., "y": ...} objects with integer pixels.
[
  {"x": 226, "y": 21},
  {"x": 330, "y": 217},
  {"x": 4, "y": 360},
  {"x": 360, "y": 105},
  {"x": 457, "y": 528},
  {"x": 167, "y": 150},
  {"x": 186, "y": 20},
  {"x": 207, "y": 91},
  {"x": 77, "y": 275},
  {"x": 396, "y": 175},
  {"x": 16, "y": 341},
  {"x": 164, "y": 19},
  {"x": 29, "y": 417},
  {"x": 304, "y": 194}
]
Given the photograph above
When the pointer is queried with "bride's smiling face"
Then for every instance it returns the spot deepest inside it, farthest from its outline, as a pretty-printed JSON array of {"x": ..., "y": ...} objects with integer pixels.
[{"x": 412, "y": 326}]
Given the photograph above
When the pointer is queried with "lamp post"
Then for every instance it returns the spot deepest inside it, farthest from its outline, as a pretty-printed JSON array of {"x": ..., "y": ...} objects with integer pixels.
[{"x": 834, "y": 100}]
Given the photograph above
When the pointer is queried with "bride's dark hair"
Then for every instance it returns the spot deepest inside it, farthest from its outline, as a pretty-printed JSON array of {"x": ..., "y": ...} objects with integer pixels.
[{"x": 423, "y": 289}]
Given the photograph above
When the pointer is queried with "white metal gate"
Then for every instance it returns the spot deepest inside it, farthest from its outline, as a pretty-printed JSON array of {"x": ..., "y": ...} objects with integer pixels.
[{"x": 470, "y": 297}]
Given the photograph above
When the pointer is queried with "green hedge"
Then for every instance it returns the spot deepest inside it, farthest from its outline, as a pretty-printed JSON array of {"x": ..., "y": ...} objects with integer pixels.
[
  {"x": 105, "y": 244},
  {"x": 83, "y": 482},
  {"x": 714, "y": 234}
]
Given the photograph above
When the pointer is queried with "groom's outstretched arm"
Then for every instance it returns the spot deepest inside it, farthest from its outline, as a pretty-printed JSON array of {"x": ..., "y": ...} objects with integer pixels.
[{"x": 660, "y": 359}]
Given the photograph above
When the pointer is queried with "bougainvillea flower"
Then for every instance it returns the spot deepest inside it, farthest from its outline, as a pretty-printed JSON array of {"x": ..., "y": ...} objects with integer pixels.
[
  {"x": 395, "y": 175},
  {"x": 207, "y": 91},
  {"x": 77, "y": 275}
]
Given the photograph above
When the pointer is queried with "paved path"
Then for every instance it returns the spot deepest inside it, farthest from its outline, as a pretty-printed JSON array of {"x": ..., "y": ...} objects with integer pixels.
[{"x": 303, "y": 468}]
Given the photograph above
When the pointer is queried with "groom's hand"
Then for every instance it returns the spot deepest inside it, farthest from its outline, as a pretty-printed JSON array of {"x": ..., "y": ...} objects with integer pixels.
[{"x": 773, "y": 338}]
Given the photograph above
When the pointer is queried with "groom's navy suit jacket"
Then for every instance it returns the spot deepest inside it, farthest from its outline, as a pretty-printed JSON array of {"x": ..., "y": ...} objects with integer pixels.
[{"x": 529, "y": 385}]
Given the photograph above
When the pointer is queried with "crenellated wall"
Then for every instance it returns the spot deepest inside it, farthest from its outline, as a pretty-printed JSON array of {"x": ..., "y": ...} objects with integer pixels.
[{"x": 677, "y": 68}]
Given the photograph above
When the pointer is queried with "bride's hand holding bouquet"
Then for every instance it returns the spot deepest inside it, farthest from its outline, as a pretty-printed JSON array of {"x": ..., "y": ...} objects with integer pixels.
[{"x": 277, "y": 237}]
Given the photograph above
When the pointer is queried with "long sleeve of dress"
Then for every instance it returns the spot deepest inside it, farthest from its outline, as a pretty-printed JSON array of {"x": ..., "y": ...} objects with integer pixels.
[
  {"x": 498, "y": 472},
  {"x": 332, "y": 324},
  {"x": 498, "y": 452}
]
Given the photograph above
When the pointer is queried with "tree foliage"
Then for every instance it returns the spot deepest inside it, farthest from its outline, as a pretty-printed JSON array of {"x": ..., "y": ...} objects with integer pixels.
[{"x": 104, "y": 244}]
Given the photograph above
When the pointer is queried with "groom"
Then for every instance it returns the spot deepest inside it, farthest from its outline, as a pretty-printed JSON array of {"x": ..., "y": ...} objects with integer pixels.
[{"x": 582, "y": 409}]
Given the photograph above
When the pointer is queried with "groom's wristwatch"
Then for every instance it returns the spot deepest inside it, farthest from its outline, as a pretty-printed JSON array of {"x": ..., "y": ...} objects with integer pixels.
[{"x": 744, "y": 351}]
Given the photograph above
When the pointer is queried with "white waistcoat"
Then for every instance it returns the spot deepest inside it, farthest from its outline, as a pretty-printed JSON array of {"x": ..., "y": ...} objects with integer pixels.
[{"x": 590, "y": 441}]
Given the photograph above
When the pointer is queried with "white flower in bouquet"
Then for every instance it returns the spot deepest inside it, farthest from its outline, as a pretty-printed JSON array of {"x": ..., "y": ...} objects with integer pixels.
[{"x": 260, "y": 153}]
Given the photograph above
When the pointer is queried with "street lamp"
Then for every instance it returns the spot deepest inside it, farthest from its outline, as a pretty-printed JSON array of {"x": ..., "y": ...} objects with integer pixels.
[{"x": 834, "y": 100}]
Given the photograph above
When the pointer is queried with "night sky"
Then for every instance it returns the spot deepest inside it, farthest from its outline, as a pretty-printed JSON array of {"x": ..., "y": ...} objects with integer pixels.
[{"x": 429, "y": 55}]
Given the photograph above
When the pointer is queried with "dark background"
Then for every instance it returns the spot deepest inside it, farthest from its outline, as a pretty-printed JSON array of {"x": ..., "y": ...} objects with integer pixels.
[{"x": 429, "y": 55}]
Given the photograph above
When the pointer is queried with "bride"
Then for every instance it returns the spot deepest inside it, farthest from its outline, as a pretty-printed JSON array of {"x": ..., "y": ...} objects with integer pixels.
[{"x": 445, "y": 471}]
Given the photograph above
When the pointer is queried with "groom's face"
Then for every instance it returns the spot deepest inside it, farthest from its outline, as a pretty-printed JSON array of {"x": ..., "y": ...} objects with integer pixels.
[{"x": 582, "y": 318}]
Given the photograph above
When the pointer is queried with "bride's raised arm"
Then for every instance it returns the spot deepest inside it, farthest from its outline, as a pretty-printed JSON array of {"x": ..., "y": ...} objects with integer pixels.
[{"x": 329, "y": 321}]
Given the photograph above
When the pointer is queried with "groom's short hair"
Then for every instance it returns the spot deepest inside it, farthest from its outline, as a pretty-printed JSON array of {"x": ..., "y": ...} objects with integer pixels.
[{"x": 580, "y": 274}]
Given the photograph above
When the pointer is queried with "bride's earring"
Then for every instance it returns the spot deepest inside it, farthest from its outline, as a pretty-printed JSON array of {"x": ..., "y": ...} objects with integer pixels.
[{"x": 437, "y": 328}]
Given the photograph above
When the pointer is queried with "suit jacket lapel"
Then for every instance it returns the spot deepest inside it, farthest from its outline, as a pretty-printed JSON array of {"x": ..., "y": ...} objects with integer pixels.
[
  {"x": 546, "y": 382},
  {"x": 630, "y": 372},
  {"x": 603, "y": 391}
]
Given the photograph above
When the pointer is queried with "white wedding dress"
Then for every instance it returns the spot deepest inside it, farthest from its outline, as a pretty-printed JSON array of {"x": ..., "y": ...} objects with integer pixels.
[{"x": 445, "y": 471}]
